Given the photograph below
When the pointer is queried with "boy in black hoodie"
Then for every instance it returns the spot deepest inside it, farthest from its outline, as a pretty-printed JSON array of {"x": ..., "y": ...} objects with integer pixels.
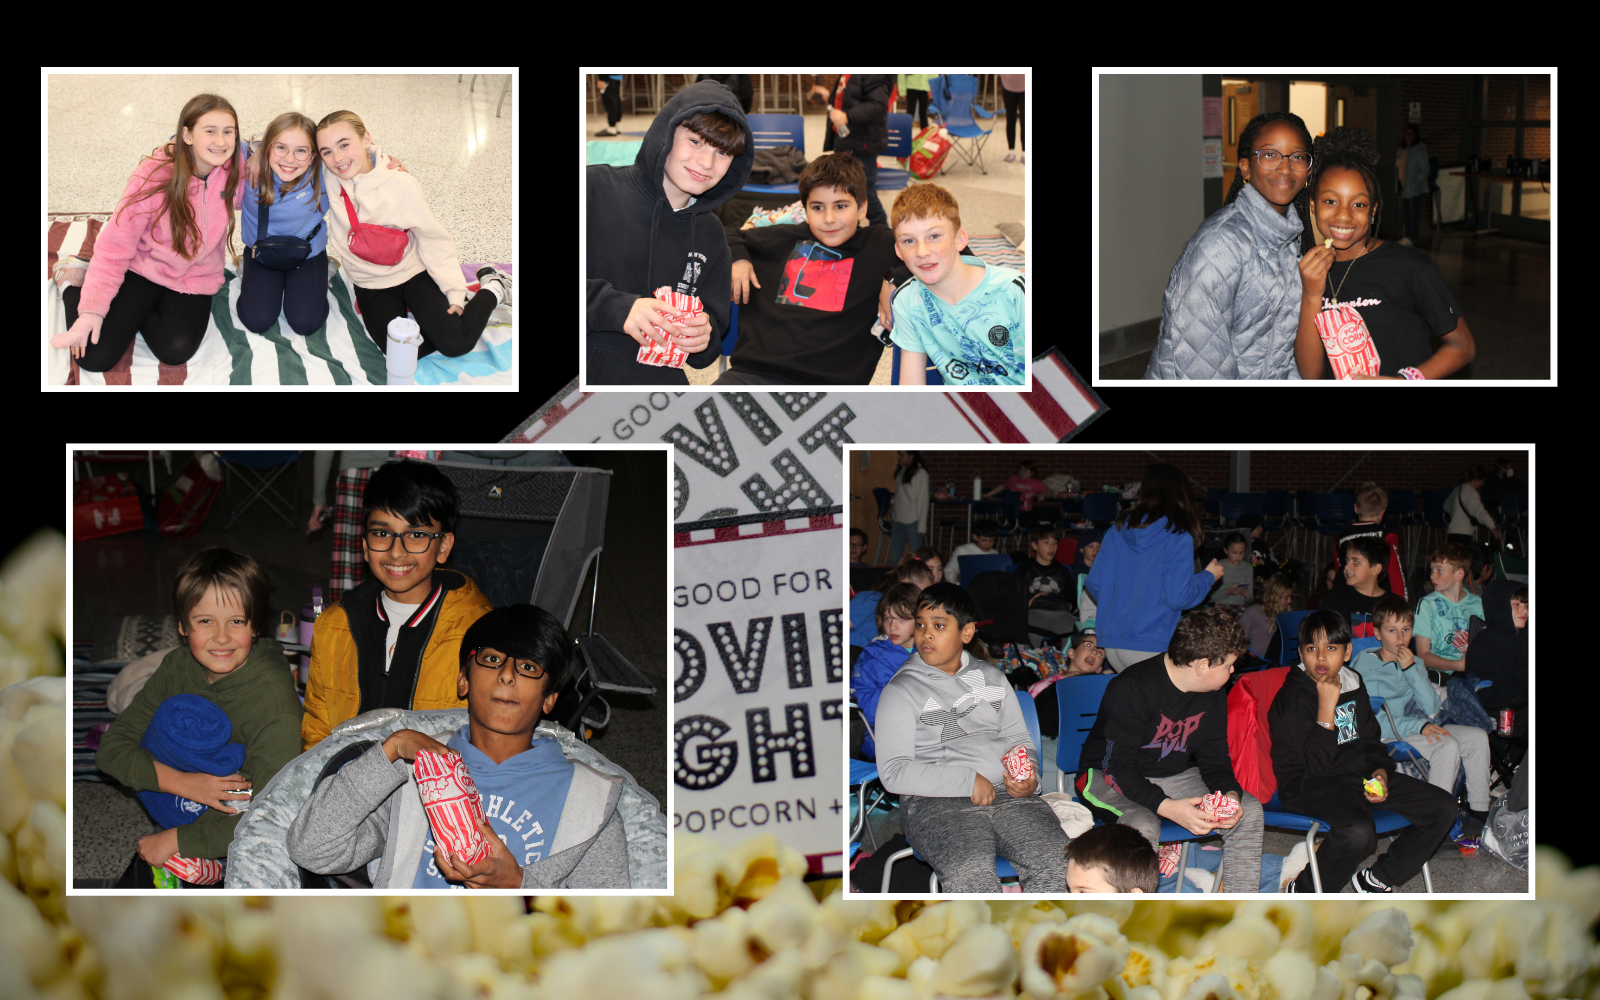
[
  {"x": 1325, "y": 745},
  {"x": 651, "y": 225}
]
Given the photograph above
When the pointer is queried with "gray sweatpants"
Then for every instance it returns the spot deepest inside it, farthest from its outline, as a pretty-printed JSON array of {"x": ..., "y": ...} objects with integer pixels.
[
  {"x": 1466, "y": 747},
  {"x": 1241, "y": 856},
  {"x": 961, "y": 840}
]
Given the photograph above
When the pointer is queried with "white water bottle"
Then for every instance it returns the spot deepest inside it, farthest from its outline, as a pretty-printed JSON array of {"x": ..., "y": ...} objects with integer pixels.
[{"x": 405, "y": 338}]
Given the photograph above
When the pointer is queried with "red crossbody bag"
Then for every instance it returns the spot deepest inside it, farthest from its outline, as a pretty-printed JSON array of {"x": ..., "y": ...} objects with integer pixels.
[{"x": 383, "y": 245}]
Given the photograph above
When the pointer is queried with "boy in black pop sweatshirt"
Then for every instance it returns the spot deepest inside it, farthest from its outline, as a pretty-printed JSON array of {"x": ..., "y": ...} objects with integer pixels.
[
  {"x": 1160, "y": 744},
  {"x": 1325, "y": 745},
  {"x": 651, "y": 225}
]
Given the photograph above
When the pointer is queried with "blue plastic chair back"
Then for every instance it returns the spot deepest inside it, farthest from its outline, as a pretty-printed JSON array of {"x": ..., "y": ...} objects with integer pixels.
[
  {"x": 772, "y": 131},
  {"x": 1234, "y": 504},
  {"x": 1030, "y": 715},
  {"x": 1289, "y": 637},
  {"x": 902, "y": 129},
  {"x": 1077, "y": 705}
]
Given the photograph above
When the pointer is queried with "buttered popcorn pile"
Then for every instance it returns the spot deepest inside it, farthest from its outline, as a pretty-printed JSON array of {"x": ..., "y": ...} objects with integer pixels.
[{"x": 740, "y": 925}]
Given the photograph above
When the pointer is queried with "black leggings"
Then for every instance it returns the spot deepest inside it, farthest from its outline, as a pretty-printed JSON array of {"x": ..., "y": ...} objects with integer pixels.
[
  {"x": 1014, "y": 107},
  {"x": 302, "y": 294},
  {"x": 451, "y": 335},
  {"x": 173, "y": 323}
]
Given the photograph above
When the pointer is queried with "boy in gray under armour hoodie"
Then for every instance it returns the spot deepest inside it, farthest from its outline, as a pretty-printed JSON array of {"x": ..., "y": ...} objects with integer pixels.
[{"x": 945, "y": 720}]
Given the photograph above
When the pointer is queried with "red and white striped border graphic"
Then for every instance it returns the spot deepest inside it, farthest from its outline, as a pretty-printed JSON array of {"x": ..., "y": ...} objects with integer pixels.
[
  {"x": 1059, "y": 406},
  {"x": 758, "y": 529}
]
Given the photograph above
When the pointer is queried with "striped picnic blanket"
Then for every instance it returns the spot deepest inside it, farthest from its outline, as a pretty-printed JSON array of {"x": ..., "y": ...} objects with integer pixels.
[{"x": 340, "y": 353}]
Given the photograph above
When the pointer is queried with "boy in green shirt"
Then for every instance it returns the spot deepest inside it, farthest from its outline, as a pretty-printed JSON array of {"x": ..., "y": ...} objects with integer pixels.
[{"x": 221, "y": 601}]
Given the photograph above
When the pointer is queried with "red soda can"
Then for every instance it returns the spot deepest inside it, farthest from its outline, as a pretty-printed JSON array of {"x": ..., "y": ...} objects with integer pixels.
[{"x": 1507, "y": 717}]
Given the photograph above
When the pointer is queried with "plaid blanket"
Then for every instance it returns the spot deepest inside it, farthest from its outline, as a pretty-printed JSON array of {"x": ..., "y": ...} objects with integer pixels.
[{"x": 340, "y": 353}]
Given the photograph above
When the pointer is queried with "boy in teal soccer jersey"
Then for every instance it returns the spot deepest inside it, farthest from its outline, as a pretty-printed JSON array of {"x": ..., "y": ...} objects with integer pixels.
[
  {"x": 964, "y": 316},
  {"x": 1443, "y": 616}
]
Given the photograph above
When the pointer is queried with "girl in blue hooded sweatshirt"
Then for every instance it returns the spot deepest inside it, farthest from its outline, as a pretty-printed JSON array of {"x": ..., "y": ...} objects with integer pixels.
[{"x": 1144, "y": 576}]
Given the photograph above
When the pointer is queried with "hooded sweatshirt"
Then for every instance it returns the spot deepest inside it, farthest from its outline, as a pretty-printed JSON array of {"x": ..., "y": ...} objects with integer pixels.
[
  {"x": 1500, "y": 652},
  {"x": 638, "y": 243},
  {"x": 138, "y": 237},
  {"x": 1232, "y": 305},
  {"x": 260, "y": 701},
  {"x": 1302, "y": 749},
  {"x": 1141, "y": 583},
  {"x": 386, "y": 197},
  {"x": 937, "y": 732}
]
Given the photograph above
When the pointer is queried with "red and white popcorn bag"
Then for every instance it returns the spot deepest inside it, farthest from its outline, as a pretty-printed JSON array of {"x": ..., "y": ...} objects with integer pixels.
[
  {"x": 1219, "y": 805},
  {"x": 195, "y": 871},
  {"x": 1017, "y": 763},
  {"x": 1167, "y": 858},
  {"x": 453, "y": 804},
  {"x": 1346, "y": 339},
  {"x": 686, "y": 309}
]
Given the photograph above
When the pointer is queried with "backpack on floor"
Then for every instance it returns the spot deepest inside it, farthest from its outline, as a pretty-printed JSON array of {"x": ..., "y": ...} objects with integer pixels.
[{"x": 928, "y": 150}]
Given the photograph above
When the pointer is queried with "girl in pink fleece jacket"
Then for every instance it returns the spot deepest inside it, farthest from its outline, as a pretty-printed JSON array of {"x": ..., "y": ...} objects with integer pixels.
[{"x": 158, "y": 262}]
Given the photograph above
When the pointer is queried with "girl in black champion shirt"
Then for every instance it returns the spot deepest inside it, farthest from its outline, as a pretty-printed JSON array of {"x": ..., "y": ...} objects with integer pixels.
[{"x": 1397, "y": 289}]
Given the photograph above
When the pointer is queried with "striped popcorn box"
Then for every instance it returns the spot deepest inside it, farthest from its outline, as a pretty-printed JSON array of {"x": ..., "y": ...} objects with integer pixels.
[
  {"x": 1346, "y": 339},
  {"x": 453, "y": 805},
  {"x": 1017, "y": 763},
  {"x": 685, "y": 310},
  {"x": 195, "y": 871},
  {"x": 1167, "y": 858},
  {"x": 1218, "y": 804}
]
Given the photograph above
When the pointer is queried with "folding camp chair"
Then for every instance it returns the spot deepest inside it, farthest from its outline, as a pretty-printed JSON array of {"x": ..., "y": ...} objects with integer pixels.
[{"x": 256, "y": 472}]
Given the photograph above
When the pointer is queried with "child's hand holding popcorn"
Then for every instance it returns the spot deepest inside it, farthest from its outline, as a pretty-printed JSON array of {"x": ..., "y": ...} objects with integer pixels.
[
  {"x": 497, "y": 871},
  {"x": 1223, "y": 807}
]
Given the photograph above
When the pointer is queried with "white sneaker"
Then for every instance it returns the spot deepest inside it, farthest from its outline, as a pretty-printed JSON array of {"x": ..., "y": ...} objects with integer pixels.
[{"x": 1293, "y": 864}]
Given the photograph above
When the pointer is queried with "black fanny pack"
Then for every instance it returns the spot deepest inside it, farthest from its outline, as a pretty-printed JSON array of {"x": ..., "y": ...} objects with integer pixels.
[{"x": 281, "y": 253}]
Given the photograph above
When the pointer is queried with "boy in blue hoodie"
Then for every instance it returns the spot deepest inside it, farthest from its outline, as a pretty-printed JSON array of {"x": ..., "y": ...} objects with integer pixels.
[{"x": 651, "y": 225}]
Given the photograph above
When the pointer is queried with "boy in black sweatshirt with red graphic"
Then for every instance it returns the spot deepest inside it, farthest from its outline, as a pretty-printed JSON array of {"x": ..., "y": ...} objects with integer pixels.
[{"x": 1326, "y": 747}]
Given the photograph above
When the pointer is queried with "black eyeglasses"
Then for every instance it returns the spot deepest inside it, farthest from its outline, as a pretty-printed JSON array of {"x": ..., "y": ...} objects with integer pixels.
[
  {"x": 379, "y": 540},
  {"x": 494, "y": 661},
  {"x": 1268, "y": 158}
]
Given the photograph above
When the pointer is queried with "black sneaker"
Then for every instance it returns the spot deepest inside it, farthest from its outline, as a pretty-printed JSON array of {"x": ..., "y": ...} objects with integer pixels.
[{"x": 1364, "y": 881}]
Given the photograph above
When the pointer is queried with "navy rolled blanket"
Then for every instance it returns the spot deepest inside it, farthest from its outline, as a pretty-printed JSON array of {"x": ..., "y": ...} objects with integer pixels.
[{"x": 188, "y": 733}]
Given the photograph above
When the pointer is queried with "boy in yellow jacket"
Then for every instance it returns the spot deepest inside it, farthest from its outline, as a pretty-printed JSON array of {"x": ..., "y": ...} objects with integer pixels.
[{"x": 395, "y": 639}]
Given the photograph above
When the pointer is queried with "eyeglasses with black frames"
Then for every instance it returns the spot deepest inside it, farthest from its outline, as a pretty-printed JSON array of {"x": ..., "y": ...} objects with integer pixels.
[
  {"x": 379, "y": 540},
  {"x": 1268, "y": 158},
  {"x": 494, "y": 661}
]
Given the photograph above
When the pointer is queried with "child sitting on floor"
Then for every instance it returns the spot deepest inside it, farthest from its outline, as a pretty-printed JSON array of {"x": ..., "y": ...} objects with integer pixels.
[{"x": 221, "y": 601}]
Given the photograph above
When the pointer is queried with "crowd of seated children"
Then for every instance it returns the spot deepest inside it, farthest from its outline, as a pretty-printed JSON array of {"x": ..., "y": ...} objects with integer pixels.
[
  {"x": 1111, "y": 858},
  {"x": 945, "y": 721},
  {"x": 1392, "y": 673},
  {"x": 1159, "y": 745},
  {"x": 392, "y": 640},
  {"x": 1331, "y": 763},
  {"x": 550, "y": 822},
  {"x": 1364, "y": 571},
  {"x": 880, "y": 658},
  {"x": 220, "y": 598}
]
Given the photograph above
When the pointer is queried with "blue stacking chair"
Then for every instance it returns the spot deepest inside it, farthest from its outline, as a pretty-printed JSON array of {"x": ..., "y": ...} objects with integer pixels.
[
  {"x": 1289, "y": 637},
  {"x": 1078, "y": 703},
  {"x": 970, "y": 566},
  {"x": 902, "y": 130},
  {"x": 1234, "y": 504},
  {"x": 1002, "y": 867},
  {"x": 1400, "y": 750},
  {"x": 1383, "y": 820},
  {"x": 770, "y": 132}
]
